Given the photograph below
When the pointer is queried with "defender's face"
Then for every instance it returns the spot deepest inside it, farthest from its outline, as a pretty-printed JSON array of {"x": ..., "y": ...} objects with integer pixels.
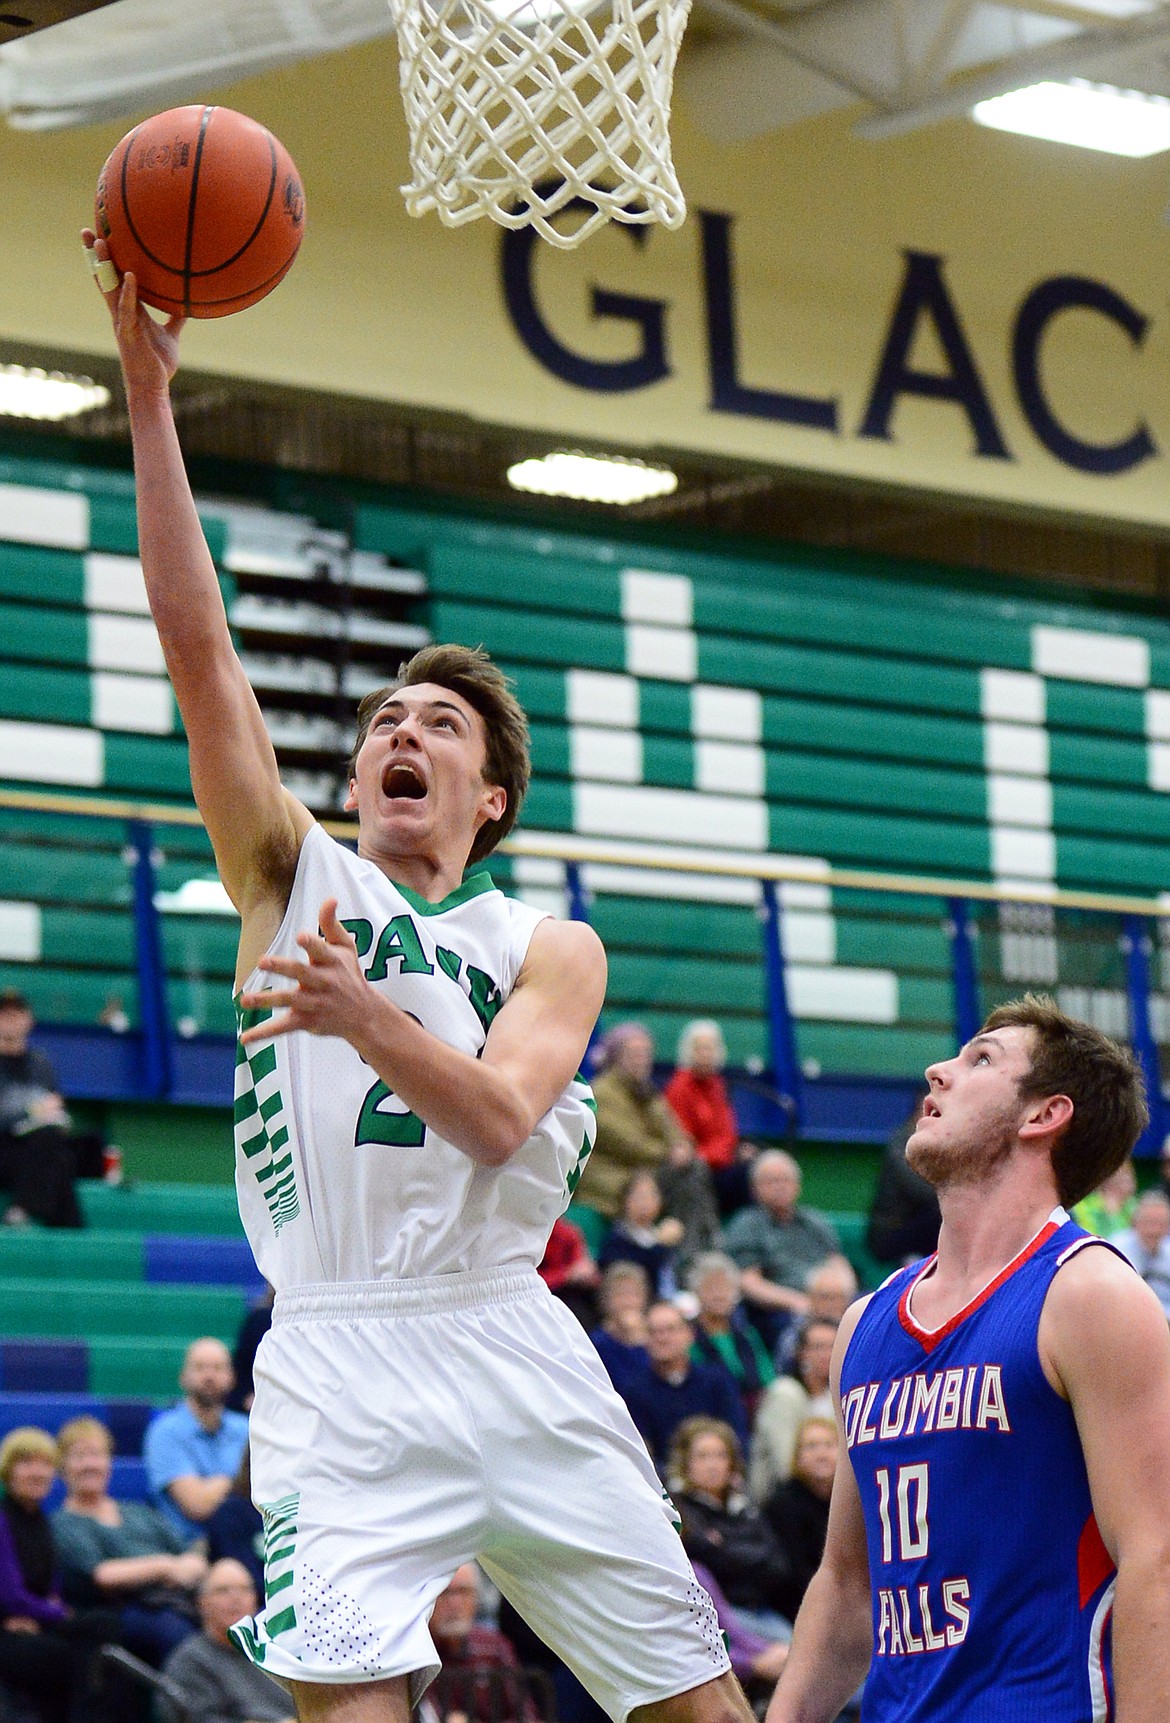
[
  {"x": 420, "y": 770},
  {"x": 969, "y": 1118}
]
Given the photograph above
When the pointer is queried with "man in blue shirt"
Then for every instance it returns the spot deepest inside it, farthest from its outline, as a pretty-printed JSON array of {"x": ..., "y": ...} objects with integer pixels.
[
  {"x": 193, "y": 1451},
  {"x": 672, "y": 1387}
]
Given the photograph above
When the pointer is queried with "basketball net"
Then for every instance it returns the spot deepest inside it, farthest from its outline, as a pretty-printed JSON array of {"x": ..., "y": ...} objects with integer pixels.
[{"x": 519, "y": 109}]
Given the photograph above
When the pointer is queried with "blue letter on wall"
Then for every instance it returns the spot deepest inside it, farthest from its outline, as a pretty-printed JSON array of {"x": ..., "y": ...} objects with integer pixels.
[
  {"x": 924, "y": 294},
  {"x": 610, "y": 376},
  {"x": 1064, "y": 293}
]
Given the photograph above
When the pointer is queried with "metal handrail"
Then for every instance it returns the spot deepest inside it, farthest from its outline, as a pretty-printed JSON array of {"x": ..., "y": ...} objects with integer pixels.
[{"x": 570, "y": 847}]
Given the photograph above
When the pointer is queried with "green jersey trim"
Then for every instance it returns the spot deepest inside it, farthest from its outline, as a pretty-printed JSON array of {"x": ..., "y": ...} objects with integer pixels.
[{"x": 473, "y": 887}]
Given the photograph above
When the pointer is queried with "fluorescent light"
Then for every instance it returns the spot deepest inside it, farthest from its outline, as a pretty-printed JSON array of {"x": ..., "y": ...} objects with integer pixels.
[
  {"x": 1092, "y": 116},
  {"x": 592, "y": 478},
  {"x": 34, "y": 394}
]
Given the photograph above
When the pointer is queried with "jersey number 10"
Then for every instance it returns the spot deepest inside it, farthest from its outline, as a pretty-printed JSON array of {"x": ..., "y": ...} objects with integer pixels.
[{"x": 911, "y": 1493}]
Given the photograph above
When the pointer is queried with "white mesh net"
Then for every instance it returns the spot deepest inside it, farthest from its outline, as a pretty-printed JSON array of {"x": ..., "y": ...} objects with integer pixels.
[{"x": 519, "y": 109}]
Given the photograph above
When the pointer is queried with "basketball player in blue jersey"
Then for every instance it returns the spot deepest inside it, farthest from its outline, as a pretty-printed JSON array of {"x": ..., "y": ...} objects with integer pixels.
[
  {"x": 410, "y": 1120},
  {"x": 999, "y": 1547}
]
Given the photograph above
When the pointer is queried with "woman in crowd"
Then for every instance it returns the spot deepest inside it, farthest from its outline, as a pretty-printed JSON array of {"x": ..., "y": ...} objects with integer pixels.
[
  {"x": 723, "y": 1334},
  {"x": 638, "y": 1235},
  {"x": 698, "y": 1098},
  {"x": 122, "y": 1554},
  {"x": 47, "y": 1651},
  {"x": 785, "y": 1405},
  {"x": 798, "y": 1509},
  {"x": 723, "y": 1531},
  {"x": 621, "y": 1339}
]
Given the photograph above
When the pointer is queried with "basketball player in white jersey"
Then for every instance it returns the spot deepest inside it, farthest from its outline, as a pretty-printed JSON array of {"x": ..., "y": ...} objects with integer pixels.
[{"x": 409, "y": 1123}]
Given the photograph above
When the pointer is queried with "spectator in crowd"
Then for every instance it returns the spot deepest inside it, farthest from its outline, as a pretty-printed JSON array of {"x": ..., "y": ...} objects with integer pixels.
[
  {"x": 1109, "y": 1209},
  {"x": 192, "y": 1451},
  {"x": 121, "y": 1554},
  {"x": 798, "y": 1509},
  {"x": 724, "y": 1531},
  {"x": 698, "y": 1098},
  {"x": 723, "y": 1334},
  {"x": 831, "y": 1289},
  {"x": 624, "y": 1297},
  {"x": 904, "y": 1215},
  {"x": 635, "y": 1127},
  {"x": 217, "y": 1684},
  {"x": 776, "y": 1242},
  {"x": 480, "y": 1678},
  {"x": 47, "y": 1650},
  {"x": 639, "y": 1235},
  {"x": 1147, "y": 1244},
  {"x": 757, "y": 1662},
  {"x": 254, "y": 1327},
  {"x": 672, "y": 1387},
  {"x": 236, "y": 1529},
  {"x": 787, "y": 1403},
  {"x": 569, "y": 1271},
  {"x": 39, "y": 1158},
  {"x": 688, "y": 1197}
]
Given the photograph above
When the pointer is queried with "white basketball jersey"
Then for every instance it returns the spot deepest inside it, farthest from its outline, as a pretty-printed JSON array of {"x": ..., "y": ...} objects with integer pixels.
[{"x": 337, "y": 1181}]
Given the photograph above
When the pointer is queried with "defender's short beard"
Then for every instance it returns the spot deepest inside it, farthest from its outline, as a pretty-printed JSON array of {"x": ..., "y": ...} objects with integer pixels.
[{"x": 945, "y": 1165}]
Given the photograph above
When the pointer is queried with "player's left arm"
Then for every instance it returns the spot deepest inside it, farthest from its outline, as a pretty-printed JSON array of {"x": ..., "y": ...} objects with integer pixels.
[
  {"x": 1105, "y": 1345},
  {"x": 486, "y": 1106}
]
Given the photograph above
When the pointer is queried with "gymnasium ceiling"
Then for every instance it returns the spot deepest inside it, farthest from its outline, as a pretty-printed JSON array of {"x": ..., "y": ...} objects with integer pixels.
[{"x": 748, "y": 66}]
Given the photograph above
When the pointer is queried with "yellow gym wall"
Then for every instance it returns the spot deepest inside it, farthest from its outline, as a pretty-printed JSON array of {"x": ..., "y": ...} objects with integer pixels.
[{"x": 817, "y": 223}]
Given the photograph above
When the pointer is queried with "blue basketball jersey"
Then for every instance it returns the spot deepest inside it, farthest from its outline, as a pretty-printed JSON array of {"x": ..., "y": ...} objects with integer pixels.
[{"x": 992, "y": 1588}]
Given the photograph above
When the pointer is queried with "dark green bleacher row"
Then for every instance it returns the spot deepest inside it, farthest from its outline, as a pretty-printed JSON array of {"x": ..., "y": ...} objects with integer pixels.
[
  {"x": 873, "y": 738},
  {"x": 872, "y": 747}
]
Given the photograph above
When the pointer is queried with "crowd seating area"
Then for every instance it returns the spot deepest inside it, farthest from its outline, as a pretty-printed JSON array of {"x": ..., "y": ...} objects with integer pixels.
[{"x": 838, "y": 711}]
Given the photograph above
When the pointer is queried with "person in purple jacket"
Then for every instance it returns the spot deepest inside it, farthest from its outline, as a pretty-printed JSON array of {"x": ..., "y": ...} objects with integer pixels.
[{"x": 46, "y": 1651}]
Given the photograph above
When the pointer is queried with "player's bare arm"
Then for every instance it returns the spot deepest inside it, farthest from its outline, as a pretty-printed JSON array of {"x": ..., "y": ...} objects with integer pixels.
[
  {"x": 1105, "y": 1345},
  {"x": 256, "y": 826},
  {"x": 760, "y": 1290},
  {"x": 833, "y": 1638},
  {"x": 487, "y": 1107}
]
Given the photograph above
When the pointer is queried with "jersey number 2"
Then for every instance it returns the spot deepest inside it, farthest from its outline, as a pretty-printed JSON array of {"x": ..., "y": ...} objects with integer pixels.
[{"x": 398, "y": 1129}]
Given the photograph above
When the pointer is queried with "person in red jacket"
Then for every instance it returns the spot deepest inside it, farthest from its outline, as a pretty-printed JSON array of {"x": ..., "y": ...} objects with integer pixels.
[
  {"x": 698, "y": 1098},
  {"x": 569, "y": 1271}
]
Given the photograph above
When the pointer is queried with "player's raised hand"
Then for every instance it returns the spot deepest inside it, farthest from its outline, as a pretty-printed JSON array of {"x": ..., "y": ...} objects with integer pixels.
[
  {"x": 328, "y": 995},
  {"x": 149, "y": 350}
]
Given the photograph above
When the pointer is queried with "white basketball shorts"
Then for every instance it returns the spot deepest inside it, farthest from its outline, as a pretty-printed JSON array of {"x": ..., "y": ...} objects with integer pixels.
[{"x": 401, "y": 1428}]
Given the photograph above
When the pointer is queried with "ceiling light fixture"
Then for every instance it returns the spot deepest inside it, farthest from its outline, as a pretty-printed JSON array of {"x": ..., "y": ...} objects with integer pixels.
[
  {"x": 1091, "y": 116},
  {"x": 30, "y": 393},
  {"x": 592, "y": 478}
]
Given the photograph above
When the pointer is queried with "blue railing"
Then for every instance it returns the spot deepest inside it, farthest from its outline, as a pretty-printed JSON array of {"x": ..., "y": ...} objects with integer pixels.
[{"x": 154, "y": 1062}]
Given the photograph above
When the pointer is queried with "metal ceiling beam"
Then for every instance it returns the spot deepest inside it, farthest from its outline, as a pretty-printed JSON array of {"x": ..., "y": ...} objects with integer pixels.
[{"x": 1070, "y": 58}]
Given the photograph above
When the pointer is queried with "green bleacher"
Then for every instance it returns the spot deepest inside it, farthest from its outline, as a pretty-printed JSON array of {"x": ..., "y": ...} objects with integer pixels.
[{"x": 872, "y": 726}]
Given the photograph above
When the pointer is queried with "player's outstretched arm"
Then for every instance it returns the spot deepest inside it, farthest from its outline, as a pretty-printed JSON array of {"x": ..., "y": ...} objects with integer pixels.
[
  {"x": 255, "y": 826},
  {"x": 1105, "y": 1344},
  {"x": 833, "y": 1638},
  {"x": 487, "y": 1106}
]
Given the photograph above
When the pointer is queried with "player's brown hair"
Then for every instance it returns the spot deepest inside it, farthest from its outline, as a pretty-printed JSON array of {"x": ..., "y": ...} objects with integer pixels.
[
  {"x": 1102, "y": 1079},
  {"x": 469, "y": 672}
]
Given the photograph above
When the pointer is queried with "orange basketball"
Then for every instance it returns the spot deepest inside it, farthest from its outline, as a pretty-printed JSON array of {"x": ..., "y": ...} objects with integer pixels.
[{"x": 205, "y": 206}]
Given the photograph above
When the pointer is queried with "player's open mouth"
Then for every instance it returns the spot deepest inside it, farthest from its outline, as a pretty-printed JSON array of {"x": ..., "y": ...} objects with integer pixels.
[
  {"x": 930, "y": 1109},
  {"x": 403, "y": 783}
]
